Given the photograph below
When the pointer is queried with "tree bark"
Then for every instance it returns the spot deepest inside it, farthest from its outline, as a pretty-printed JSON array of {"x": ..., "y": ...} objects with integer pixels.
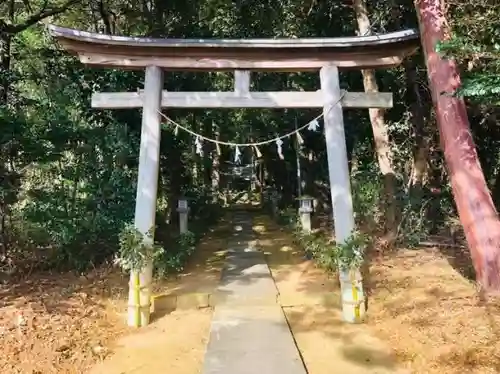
[
  {"x": 5, "y": 43},
  {"x": 472, "y": 197},
  {"x": 216, "y": 155},
  {"x": 207, "y": 150},
  {"x": 195, "y": 157},
  {"x": 5, "y": 57},
  {"x": 105, "y": 18},
  {"x": 46, "y": 11},
  {"x": 421, "y": 151},
  {"x": 380, "y": 133}
]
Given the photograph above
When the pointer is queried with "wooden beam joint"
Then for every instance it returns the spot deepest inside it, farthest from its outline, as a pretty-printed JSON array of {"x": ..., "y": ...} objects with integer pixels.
[{"x": 241, "y": 82}]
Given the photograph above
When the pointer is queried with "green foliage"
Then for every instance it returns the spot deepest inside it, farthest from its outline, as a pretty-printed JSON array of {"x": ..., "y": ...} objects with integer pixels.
[
  {"x": 68, "y": 172},
  {"x": 479, "y": 60},
  {"x": 174, "y": 258},
  {"x": 367, "y": 193},
  {"x": 288, "y": 217},
  {"x": 136, "y": 250},
  {"x": 351, "y": 253},
  {"x": 328, "y": 254},
  {"x": 485, "y": 86}
]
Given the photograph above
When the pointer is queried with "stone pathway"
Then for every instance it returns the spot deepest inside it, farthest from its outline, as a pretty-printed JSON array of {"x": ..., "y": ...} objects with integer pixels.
[
  {"x": 249, "y": 332},
  {"x": 252, "y": 275},
  {"x": 310, "y": 299}
]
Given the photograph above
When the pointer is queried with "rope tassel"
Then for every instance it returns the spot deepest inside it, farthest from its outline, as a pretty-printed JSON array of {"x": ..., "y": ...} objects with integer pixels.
[
  {"x": 257, "y": 151},
  {"x": 313, "y": 125},
  {"x": 300, "y": 140},
  {"x": 199, "y": 146},
  {"x": 237, "y": 155},
  {"x": 279, "y": 148}
]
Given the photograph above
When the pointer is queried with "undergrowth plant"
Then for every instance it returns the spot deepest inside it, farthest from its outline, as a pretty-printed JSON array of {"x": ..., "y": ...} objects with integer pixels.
[
  {"x": 170, "y": 254},
  {"x": 327, "y": 253},
  {"x": 175, "y": 258},
  {"x": 136, "y": 250}
]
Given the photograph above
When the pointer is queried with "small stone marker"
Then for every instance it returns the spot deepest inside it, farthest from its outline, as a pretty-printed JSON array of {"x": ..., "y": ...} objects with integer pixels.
[
  {"x": 305, "y": 210},
  {"x": 183, "y": 209}
]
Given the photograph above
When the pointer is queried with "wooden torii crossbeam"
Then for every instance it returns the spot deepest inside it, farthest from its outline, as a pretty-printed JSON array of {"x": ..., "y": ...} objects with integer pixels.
[
  {"x": 242, "y": 56},
  {"x": 249, "y": 99}
]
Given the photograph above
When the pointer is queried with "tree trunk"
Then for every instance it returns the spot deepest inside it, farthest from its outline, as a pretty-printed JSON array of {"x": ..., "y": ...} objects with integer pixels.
[
  {"x": 5, "y": 57},
  {"x": 206, "y": 159},
  {"x": 5, "y": 43},
  {"x": 309, "y": 173},
  {"x": 380, "y": 133},
  {"x": 194, "y": 156},
  {"x": 421, "y": 151},
  {"x": 5, "y": 60},
  {"x": 496, "y": 190},
  {"x": 216, "y": 154},
  {"x": 474, "y": 203}
]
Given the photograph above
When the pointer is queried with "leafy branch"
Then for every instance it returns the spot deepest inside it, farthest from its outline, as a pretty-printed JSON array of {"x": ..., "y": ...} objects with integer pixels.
[
  {"x": 480, "y": 67},
  {"x": 136, "y": 250},
  {"x": 175, "y": 258},
  {"x": 46, "y": 10},
  {"x": 328, "y": 254}
]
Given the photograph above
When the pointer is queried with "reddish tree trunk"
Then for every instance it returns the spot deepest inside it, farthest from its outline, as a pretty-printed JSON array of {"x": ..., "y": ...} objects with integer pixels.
[{"x": 472, "y": 197}]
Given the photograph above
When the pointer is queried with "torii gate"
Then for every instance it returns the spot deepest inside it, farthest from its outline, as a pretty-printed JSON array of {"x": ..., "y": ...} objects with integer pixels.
[{"x": 241, "y": 56}]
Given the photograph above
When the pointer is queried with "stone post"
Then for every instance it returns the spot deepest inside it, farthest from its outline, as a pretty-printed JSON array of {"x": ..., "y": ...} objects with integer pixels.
[
  {"x": 183, "y": 209},
  {"x": 305, "y": 210}
]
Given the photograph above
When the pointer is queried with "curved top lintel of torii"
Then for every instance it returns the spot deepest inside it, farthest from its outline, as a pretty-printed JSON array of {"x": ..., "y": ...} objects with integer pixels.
[{"x": 300, "y": 54}]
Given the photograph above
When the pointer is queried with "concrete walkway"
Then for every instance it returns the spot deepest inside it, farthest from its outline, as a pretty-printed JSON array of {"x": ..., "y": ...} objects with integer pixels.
[{"x": 249, "y": 333}]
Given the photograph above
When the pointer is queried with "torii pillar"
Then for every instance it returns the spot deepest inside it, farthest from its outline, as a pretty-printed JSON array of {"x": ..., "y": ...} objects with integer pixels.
[
  {"x": 147, "y": 188},
  {"x": 351, "y": 287}
]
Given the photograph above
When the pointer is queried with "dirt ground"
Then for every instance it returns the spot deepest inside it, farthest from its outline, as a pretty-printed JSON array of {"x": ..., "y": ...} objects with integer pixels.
[
  {"x": 329, "y": 345},
  {"x": 175, "y": 343},
  {"x": 431, "y": 315},
  {"x": 423, "y": 304},
  {"x": 310, "y": 299},
  {"x": 202, "y": 273},
  {"x": 423, "y": 317},
  {"x": 59, "y": 323},
  {"x": 65, "y": 323}
]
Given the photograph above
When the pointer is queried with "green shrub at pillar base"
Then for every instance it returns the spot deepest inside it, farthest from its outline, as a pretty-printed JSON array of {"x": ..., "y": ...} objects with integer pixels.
[
  {"x": 137, "y": 253},
  {"x": 346, "y": 259}
]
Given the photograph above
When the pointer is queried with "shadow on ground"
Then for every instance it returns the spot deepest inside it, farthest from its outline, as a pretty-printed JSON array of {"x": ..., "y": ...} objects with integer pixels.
[
  {"x": 460, "y": 259},
  {"x": 311, "y": 303},
  {"x": 432, "y": 315}
]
